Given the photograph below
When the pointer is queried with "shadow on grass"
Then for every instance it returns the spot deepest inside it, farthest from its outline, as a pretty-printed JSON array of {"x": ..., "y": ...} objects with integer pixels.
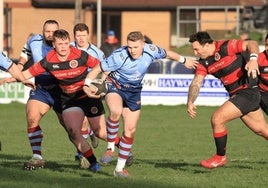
[{"x": 197, "y": 168}]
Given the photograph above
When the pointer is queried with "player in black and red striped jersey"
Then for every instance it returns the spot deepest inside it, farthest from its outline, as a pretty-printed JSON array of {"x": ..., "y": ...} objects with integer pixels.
[
  {"x": 69, "y": 66},
  {"x": 223, "y": 60}
]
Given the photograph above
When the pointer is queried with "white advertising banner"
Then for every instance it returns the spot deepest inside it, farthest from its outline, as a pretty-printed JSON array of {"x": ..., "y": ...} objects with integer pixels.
[
  {"x": 163, "y": 89},
  {"x": 172, "y": 89},
  {"x": 13, "y": 91}
]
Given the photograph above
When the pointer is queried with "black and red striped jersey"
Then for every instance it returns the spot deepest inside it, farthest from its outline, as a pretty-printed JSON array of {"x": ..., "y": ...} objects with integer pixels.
[
  {"x": 227, "y": 64},
  {"x": 70, "y": 73}
]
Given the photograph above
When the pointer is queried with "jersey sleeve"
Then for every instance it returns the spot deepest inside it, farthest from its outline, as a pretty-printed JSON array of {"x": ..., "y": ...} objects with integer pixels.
[
  {"x": 36, "y": 69},
  {"x": 235, "y": 46},
  {"x": 155, "y": 51},
  {"x": 92, "y": 61},
  {"x": 5, "y": 62},
  {"x": 201, "y": 70}
]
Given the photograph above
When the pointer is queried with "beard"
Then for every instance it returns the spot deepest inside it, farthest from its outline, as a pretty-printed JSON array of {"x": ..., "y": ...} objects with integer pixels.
[{"x": 49, "y": 42}]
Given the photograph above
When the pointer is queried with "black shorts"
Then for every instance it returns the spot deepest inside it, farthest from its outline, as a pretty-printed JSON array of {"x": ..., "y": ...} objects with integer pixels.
[
  {"x": 247, "y": 100},
  {"x": 91, "y": 107},
  {"x": 264, "y": 102}
]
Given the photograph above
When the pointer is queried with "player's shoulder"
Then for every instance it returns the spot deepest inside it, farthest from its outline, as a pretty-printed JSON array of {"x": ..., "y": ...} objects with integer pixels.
[
  {"x": 36, "y": 37},
  {"x": 151, "y": 48}
]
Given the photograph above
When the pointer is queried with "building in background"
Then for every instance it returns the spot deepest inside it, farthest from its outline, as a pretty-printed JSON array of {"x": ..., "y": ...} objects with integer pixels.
[{"x": 168, "y": 23}]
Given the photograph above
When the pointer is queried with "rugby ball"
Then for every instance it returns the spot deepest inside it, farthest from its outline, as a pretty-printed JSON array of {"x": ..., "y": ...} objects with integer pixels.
[{"x": 100, "y": 86}]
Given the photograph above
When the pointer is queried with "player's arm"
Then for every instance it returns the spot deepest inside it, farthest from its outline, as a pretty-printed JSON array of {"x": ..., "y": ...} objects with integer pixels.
[
  {"x": 22, "y": 61},
  {"x": 252, "y": 65},
  {"x": 193, "y": 92},
  {"x": 189, "y": 63},
  {"x": 93, "y": 73},
  {"x": 17, "y": 75}
]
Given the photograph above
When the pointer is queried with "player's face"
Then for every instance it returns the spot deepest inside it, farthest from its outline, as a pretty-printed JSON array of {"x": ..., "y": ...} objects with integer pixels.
[
  {"x": 48, "y": 31},
  {"x": 201, "y": 51},
  {"x": 135, "y": 48},
  {"x": 62, "y": 47},
  {"x": 82, "y": 38}
]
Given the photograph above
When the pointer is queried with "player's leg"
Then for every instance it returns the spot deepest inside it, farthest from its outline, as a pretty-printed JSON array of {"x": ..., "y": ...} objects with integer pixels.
[
  {"x": 256, "y": 122},
  {"x": 35, "y": 110},
  {"x": 241, "y": 104},
  {"x": 88, "y": 132},
  {"x": 73, "y": 119},
  {"x": 220, "y": 117},
  {"x": 130, "y": 119},
  {"x": 115, "y": 106}
]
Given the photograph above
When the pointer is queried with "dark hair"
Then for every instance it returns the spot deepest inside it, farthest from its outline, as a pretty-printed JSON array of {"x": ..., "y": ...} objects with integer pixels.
[
  {"x": 266, "y": 37},
  {"x": 61, "y": 34},
  {"x": 50, "y": 22},
  {"x": 80, "y": 27},
  {"x": 202, "y": 37},
  {"x": 135, "y": 36}
]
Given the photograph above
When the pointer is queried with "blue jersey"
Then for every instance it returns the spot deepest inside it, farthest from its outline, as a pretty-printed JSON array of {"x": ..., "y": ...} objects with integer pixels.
[
  {"x": 92, "y": 50},
  {"x": 5, "y": 62},
  {"x": 128, "y": 73},
  {"x": 37, "y": 49}
]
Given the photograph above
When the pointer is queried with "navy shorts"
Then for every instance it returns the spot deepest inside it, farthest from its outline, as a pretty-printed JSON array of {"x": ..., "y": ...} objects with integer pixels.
[
  {"x": 247, "y": 100},
  {"x": 131, "y": 99},
  {"x": 50, "y": 97}
]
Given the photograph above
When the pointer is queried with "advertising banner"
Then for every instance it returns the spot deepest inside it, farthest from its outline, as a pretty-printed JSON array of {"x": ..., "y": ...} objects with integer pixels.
[
  {"x": 158, "y": 89},
  {"x": 172, "y": 89}
]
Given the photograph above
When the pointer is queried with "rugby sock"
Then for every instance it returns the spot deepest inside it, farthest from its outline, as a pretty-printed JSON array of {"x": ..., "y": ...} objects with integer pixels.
[
  {"x": 112, "y": 129},
  {"x": 85, "y": 133},
  {"x": 221, "y": 141},
  {"x": 90, "y": 131},
  {"x": 117, "y": 141},
  {"x": 124, "y": 150},
  {"x": 35, "y": 136},
  {"x": 90, "y": 156}
]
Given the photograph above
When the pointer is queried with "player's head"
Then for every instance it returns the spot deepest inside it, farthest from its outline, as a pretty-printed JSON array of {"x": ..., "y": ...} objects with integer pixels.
[
  {"x": 61, "y": 42},
  {"x": 135, "y": 44},
  {"x": 49, "y": 27},
  {"x": 81, "y": 35},
  {"x": 202, "y": 44}
]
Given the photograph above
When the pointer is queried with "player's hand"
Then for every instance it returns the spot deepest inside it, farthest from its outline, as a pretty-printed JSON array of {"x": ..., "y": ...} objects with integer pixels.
[
  {"x": 191, "y": 63},
  {"x": 191, "y": 109},
  {"x": 91, "y": 92},
  {"x": 30, "y": 84},
  {"x": 7, "y": 80},
  {"x": 252, "y": 69}
]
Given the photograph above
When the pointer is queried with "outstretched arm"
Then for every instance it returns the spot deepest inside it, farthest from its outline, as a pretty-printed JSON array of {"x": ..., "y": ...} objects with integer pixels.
[
  {"x": 189, "y": 63},
  {"x": 17, "y": 75},
  {"x": 193, "y": 92}
]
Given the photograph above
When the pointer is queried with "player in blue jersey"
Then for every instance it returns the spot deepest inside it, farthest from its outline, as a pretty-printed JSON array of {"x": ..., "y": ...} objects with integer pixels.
[
  {"x": 9, "y": 66},
  {"x": 42, "y": 99},
  {"x": 126, "y": 67},
  {"x": 97, "y": 124}
]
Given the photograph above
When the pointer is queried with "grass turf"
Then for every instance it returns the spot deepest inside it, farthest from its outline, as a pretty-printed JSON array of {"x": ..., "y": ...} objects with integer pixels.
[{"x": 168, "y": 147}]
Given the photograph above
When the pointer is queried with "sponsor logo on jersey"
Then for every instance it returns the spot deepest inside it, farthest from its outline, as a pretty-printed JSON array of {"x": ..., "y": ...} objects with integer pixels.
[{"x": 152, "y": 47}]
